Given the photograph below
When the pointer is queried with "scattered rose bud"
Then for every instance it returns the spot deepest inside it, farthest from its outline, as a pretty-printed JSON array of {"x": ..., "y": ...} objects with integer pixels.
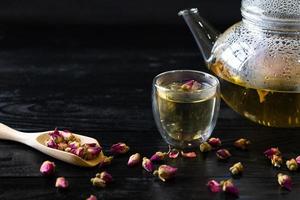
[
  {"x": 173, "y": 153},
  {"x": 165, "y": 172},
  {"x": 98, "y": 182},
  {"x": 205, "y": 147},
  {"x": 105, "y": 176},
  {"x": 214, "y": 142},
  {"x": 119, "y": 148},
  {"x": 223, "y": 154},
  {"x": 47, "y": 168},
  {"x": 61, "y": 183},
  {"x": 272, "y": 151},
  {"x": 158, "y": 156},
  {"x": 189, "y": 154},
  {"x": 284, "y": 181},
  {"x": 292, "y": 165},
  {"x": 92, "y": 197},
  {"x": 242, "y": 143},
  {"x": 237, "y": 168},
  {"x": 276, "y": 161},
  {"x": 214, "y": 186},
  {"x": 134, "y": 160},
  {"x": 229, "y": 187},
  {"x": 298, "y": 160},
  {"x": 106, "y": 161},
  {"x": 147, "y": 165}
]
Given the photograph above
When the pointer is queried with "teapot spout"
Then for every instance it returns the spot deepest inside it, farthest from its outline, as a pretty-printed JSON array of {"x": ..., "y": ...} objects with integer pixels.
[{"x": 204, "y": 34}]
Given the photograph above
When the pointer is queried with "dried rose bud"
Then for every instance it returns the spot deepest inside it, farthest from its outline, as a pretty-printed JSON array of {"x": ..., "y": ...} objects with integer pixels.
[
  {"x": 119, "y": 148},
  {"x": 298, "y": 160},
  {"x": 237, "y": 168},
  {"x": 214, "y": 186},
  {"x": 229, "y": 187},
  {"x": 147, "y": 165},
  {"x": 87, "y": 145},
  {"x": 62, "y": 146},
  {"x": 51, "y": 143},
  {"x": 205, "y": 147},
  {"x": 214, "y": 142},
  {"x": 47, "y": 168},
  {"x": 92, "y": 152},
  {"x": 284, "y": 181},
  {"x": 106, "y": 161},
  {"x": 191, "y": 85},
  {"x": 92, "y": 197},
  {"x": 242, "y": 143},
  {"x": 98, "y": 182},
  {"x": 174, "y": 153},
  {"x": 189, "y": 154},
  {"x": 56, "y": 137},
  {"x": 272, "y": 151},
  {"x": 223, "y": 154},
  {"x": 61, "y": 183},
  {"x": 67, "y": 135},
  {"x": 158, "y": 156},
  {"x": 74, "y": 145},
  {"x": 134, "y": 159},
  {"x": 105, "y": 176},
  {"x": 292, "y": 165},
  {"x": 165, "y": 172},
  {"x": 79, "y": 152},
  {"x": 276, "y": 161}
]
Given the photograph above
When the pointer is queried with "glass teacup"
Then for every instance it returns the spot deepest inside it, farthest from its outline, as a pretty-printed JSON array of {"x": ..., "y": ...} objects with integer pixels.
[{"x": 185, "y": 105}]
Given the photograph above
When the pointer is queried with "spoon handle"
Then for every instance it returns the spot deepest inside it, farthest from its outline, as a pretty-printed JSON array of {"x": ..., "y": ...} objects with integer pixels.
[{"x": 7, "y": 133}]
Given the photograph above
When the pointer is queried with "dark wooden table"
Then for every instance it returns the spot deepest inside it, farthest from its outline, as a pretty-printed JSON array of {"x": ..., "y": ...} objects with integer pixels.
[{"x": 105, "y": 92}]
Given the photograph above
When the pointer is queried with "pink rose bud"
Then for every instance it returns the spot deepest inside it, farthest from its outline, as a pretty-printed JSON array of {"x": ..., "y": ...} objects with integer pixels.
[
  {"x": 242, "y": 143},
  {"x": 214, "y": 142},
  {"x": 189, "y": 154},
  {"x": 158, "y": 156},
  {"x": 134, "y": 160},
  {"x": 47, "y": 168},
  {"x": 119, "y": 148},
  {"x": 98, "y": 182},
  {"x": 61, "y": 183},
  {"x": 214, "y": 186},
  {"x": 106, "y": 161},
  {"x": 94, "y": 151},
  {"x": 173, "y": 153},
  {"x": 51, "y": 143},
  {"x": 229, "y": 187},
  {"x": 165, "y": 172},
  {"x": 92, "y": 197},
  {"x": 79, "y": 152},
  {"x": 105, "y": 176},
  {"x": 272, "y": 151},
  {"x": 223, "y": 154},
  {"x": 55, "y": 136},
  {"x": 147, "y": 165},
  {"x": 67, "y": 135},
  {"x": 191, "y": 85},
  {"x": 74, "y": 145},
  {"x": 298, "y": 160},
  {"x": 284, "y": 181}
]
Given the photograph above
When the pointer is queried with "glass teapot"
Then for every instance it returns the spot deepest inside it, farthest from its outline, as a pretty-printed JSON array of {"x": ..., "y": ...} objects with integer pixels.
[{"x": 257, "y": 60}]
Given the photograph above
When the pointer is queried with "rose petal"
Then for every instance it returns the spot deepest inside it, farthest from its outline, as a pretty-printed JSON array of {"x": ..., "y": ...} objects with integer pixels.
[
  {"x": 173, "y": 153},
  {"x": 189, "y": 154}
]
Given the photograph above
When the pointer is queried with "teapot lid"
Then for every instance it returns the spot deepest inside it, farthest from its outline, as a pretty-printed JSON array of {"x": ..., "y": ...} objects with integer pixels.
[{"x": 272, "y": 11}]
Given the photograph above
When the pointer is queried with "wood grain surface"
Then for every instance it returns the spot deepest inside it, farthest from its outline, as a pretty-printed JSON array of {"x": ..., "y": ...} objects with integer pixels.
[{"x": 106, "y": 93}]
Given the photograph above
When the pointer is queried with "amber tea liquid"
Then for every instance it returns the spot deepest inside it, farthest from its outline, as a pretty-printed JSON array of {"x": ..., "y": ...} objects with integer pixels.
[
  {"x": 184, "y": 119},
  {"x": 266, "y": 107}
]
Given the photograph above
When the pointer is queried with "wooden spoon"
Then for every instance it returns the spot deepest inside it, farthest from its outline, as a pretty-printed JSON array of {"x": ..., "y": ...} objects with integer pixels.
[{"x": 37, "y": 141}]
